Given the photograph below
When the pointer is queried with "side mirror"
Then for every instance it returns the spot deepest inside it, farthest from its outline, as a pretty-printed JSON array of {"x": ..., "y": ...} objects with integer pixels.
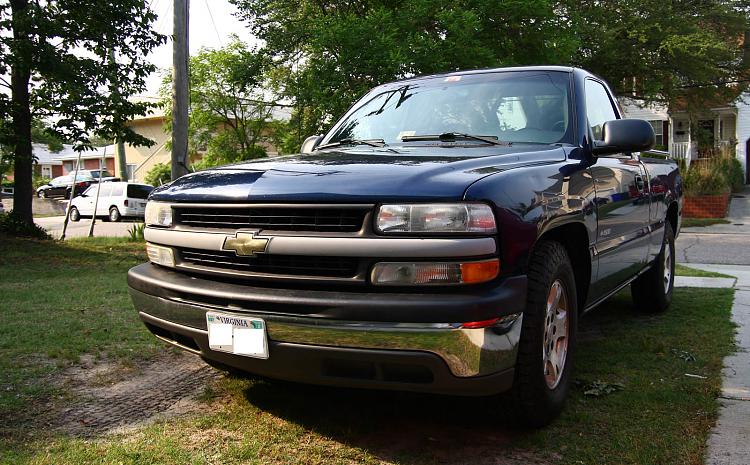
[
  {"x": 310, "y": 143},
  {"x": 625, "y": 135}
]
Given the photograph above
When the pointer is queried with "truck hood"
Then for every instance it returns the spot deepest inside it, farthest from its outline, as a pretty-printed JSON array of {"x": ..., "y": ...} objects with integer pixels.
[{"x": 367, "y": 176}]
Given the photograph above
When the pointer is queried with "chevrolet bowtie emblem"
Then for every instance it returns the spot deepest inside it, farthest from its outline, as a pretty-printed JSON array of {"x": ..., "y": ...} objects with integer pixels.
[{"x": 246, "y": 244}]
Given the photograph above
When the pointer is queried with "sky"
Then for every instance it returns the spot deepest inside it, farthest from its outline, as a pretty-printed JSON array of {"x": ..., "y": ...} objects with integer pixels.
[{"x": 201, "y": 31}]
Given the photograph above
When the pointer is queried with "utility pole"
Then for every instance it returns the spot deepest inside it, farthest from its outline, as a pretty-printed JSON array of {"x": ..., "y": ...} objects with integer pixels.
[
  {"x": 121, "y": 164},
  {"x": 180, "y": 96}
]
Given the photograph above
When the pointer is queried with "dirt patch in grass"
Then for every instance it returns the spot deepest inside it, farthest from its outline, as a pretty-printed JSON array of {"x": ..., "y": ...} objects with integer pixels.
[
  {"x": 100, "y": 396},
  {"x": 110, "y": 396}
]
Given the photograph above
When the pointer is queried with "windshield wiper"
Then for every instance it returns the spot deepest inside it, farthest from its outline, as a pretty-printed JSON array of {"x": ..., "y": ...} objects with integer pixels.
[
  {"x": 370, "y": 142},
  {"x": 452, "y": 136}
]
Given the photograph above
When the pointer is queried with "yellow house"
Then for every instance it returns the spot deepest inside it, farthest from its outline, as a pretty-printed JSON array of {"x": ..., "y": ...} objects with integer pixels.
[{"x": 140, "y": 160}]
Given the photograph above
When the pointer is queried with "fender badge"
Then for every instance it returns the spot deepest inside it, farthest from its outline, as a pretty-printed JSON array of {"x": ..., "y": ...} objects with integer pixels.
[{"x": 246, "y": 244}]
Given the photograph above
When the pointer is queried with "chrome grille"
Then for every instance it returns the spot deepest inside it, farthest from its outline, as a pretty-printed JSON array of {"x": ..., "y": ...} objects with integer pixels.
[
  {"x": 296, "y": 265},
  {"x": 274, "y": 218}
]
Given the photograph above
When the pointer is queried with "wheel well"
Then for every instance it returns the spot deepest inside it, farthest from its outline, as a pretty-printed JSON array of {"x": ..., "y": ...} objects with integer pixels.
[
  {"x": 575, "y": 238},
  {"x": 672, "y": 217}
]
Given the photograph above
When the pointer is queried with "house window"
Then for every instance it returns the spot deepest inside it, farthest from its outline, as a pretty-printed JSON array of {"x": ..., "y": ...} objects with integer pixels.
[
  {"x": 658, "y": 126},
  {"x": 131, "y": 171}
]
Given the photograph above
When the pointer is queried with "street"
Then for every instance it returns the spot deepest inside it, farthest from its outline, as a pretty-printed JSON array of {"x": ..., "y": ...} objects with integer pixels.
[{"x": 54, "y": 226}]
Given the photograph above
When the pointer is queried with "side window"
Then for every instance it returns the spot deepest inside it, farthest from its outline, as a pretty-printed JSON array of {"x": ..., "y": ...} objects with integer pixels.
[
  {"x": 106, "y": 190},
  {"x": 90, "y": 192},
  {"x": 599, "y": 108},
  {"x": 117, "y": 190}
]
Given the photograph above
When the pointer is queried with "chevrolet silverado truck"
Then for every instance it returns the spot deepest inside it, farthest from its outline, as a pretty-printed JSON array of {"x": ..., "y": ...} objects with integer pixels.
[{"x": 444, "y": 236}]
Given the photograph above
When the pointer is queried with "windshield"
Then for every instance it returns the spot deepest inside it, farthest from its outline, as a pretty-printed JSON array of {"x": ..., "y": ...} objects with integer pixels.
[
  {"x": 522, "y": 106},
  {"x": 139, "y": 191}
]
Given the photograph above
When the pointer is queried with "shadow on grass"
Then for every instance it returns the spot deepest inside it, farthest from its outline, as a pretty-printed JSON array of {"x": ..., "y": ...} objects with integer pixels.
[
  {"x": 399, "y": 426},
  {"x": 657, "y": 406}
]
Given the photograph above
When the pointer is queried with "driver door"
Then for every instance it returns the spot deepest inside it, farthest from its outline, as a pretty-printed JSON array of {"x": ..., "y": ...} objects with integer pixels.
[{"x": 622, "y": 202}]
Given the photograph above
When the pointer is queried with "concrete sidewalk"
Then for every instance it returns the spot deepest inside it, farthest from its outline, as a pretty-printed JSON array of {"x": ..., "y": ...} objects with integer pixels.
[{"x": 729, "y": 443}]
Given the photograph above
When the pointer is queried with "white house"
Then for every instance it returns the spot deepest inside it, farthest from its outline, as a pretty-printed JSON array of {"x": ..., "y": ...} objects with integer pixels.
[{"x": 725, "y": 124}]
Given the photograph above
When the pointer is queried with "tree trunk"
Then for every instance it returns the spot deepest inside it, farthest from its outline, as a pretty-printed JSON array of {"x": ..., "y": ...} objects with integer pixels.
[{"x": 21, "y": 111}]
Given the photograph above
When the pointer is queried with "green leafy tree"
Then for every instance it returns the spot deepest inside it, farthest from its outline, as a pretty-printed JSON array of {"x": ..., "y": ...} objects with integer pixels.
[
  {"x": 330, "y": 52},
  {"x": 160, "y": 173},
  {"x": 55, "y": 52},
  {"x": 658, "y": 50},
  {"x": 229, "y": 112}
]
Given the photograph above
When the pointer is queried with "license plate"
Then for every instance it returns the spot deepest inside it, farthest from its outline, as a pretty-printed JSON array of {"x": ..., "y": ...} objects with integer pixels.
[
  {"x": 143, "y": 205},
  {"x": 239, "y": 335}
]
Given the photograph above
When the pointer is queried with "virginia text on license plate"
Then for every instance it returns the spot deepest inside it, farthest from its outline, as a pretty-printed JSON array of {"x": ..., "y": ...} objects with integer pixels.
[{"x": 236, "y": 334}]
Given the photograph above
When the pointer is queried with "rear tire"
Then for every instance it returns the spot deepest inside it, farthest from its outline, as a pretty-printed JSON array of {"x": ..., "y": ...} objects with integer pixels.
[
  {"x": 114, "y": 215},
  {"x": 652, "y": 291},
  {"x": 75, "y": 215},
  {"x": 548, "y": 336}
]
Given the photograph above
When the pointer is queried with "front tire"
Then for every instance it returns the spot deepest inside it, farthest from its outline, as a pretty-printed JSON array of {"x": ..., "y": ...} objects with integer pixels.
[
  {"x": 652, "y": 291},
  {"x": 75, "y": 215},
  {"x": 114, "y": 215},
  {"x": 42, "y": 194},
  {"x": 548, "y": 336}
]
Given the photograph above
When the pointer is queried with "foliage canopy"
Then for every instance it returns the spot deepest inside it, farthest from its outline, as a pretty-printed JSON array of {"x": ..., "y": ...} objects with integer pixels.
[
  {"x": 57, "y": 55},
  {"x": 330, "y": 52},
  {"x": 230, "y": 110}
]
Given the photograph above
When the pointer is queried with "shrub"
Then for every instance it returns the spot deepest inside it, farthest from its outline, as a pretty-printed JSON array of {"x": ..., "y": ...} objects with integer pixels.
[
  {"x": 706, "y": 177},
  {"x": 11, "y": 224},
  {"x": 160, "y": 173},
  {"x": 40, "y": 181},
  {"x": 732, "y": 169}
]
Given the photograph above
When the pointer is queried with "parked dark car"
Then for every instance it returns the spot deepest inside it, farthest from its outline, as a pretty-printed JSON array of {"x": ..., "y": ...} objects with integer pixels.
[
  {"x": 62, "y": 185},
  {"x": 444, "y": 236}
]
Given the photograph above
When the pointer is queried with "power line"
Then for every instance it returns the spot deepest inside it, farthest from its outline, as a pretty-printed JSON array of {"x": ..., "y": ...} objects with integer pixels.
[{"x": 210, "y": 15}]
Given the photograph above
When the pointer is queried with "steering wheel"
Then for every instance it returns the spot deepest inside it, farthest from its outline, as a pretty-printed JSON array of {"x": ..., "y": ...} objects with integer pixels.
[{"x": 559, "y": 126}]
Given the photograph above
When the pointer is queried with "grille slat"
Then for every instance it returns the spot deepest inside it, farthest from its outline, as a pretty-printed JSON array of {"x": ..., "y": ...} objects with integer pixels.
[
  {"x": 298, "y": 265},
  {"x": 281, "y": 218}
]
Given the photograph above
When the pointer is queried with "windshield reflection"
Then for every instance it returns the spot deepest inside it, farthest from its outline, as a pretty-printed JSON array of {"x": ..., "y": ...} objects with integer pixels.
[{"x": 521, "y": 107}]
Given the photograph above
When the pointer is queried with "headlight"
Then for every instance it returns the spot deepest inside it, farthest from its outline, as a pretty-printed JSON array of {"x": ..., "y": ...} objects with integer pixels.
[
  {"x": 434, "y": 273},
  {"x": 158, "y": 214},
  {"x": 160, "y": 255},
  {"x": 436, "y": 218}
]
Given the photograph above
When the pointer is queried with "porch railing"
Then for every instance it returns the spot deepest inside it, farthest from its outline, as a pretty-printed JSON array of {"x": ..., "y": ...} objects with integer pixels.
[{"x": 682, "y": 151}]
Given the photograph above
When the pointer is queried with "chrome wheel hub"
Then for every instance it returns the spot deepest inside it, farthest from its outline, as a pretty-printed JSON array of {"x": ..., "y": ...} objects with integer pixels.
[
  {"x": 555, "y": 349},
  {"x": 667, "y": 267}
]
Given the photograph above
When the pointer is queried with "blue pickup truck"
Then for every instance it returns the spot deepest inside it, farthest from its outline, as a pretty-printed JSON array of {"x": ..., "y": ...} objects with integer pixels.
[{"x": 444, "y": 236}]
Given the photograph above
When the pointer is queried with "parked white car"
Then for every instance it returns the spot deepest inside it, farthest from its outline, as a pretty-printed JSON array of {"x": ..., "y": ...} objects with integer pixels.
[{"x": 116, "y": 200}]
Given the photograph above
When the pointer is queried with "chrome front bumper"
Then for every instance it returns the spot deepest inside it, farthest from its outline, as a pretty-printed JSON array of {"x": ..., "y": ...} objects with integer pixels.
[{"x": 466, "y": 352}]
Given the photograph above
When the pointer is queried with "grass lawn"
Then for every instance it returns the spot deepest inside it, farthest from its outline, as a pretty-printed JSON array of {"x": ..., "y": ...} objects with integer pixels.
[
  {"x": 76, "y": 294},
  {"x": 702, "y": 222},
  {"x": 686, "y": 270}
]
